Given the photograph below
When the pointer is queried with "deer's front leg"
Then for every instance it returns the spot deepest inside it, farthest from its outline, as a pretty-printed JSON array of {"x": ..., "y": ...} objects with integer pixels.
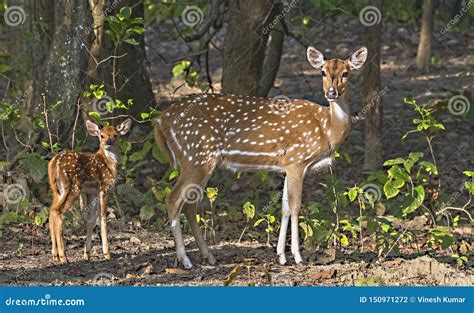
[
  {"x": 103, "y": 224},
  {"x": 285, "y": 218},
  {"x": 295, "y": 177}
]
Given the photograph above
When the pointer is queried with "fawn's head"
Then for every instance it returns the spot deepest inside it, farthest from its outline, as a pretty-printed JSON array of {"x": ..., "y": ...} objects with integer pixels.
[
  {"x": 108, "y": 135},
  {"x": 335, "y": 72}
]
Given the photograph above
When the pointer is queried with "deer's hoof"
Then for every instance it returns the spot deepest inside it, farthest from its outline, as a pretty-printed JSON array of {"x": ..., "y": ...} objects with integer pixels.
[
  {"x": 186, "y": 262},
  {"x": 87, "y": 256},
  {"x": 63, "y": 259},
  {"x": 282, "y": 259},
  {"x": 107, "y": 256},
  {"x": 298, "y": 259}
]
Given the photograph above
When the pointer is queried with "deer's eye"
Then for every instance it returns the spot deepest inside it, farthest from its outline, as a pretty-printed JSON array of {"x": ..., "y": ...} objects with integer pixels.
[
  {"x": 345, "y": 74},
  {"x": 323, "y": 73}
]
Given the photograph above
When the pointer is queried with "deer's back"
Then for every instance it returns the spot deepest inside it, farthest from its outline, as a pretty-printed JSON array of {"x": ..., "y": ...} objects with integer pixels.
[{"x": 245, "y": 130}]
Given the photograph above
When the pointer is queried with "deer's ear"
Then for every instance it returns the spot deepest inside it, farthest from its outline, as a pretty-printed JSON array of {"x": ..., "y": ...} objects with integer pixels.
[
  {"x": 358, "y": 58},
  {"x": 124, "y": 127},
  {"x": 92, "y": 129},
  {"x": 315, "y": 57}
]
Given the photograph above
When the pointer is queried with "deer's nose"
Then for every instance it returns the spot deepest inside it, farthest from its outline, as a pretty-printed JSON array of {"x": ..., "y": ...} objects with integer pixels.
[
  {"x": 332, "y": 93},
  {"x": 110, "y": 142}
]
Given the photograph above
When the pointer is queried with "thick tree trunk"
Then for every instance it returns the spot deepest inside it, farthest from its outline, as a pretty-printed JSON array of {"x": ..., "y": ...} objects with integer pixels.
[
  {"x": 132, "y": 81},
  {"x": 423, "y": 55},
  {"x": 62, "y": 74},
  {"x": 244, "y": 45},
  {"x": 373, "y": 158}
]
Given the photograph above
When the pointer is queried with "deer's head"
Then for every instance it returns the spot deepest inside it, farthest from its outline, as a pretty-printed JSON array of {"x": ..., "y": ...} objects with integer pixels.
[
  {"x": 108, "y": 135},
  {"x": 335, "y": 72}
]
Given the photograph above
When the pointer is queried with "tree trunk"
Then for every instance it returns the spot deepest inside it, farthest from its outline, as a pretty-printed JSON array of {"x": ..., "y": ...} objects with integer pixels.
[
  {"x": 244, "y": 45},
  {"x": 132, "y": 81},
  {"x": 423, "y": 55},
  {"x": 373, "y": 158},
  {"x": 272, "y": 59},
  {"x": 63, "y": 72}
]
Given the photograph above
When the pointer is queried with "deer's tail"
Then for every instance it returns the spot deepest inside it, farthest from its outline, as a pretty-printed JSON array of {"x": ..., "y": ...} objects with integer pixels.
[
  {"x": 163, "y": 145},
  {"x": 53, "y": 176}
]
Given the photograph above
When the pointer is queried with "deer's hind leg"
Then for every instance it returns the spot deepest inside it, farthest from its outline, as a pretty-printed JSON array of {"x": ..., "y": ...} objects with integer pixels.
[
  {"x": 190, "y": 210},
  {"x": 188, "y": 190},
  {"x": 58, "y": 217}
]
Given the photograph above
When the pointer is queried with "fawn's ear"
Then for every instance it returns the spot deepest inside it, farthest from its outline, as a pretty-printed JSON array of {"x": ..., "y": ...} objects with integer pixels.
[
  {"x": 124, "y": 127},
  {"x": 92, "y": 129},
  {"x": 315, "y": 57},
  {"x": 357, "y": 59}
]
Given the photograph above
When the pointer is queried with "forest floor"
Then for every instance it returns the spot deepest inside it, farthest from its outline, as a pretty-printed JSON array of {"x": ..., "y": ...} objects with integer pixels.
[{"x": 145, "y": 255}]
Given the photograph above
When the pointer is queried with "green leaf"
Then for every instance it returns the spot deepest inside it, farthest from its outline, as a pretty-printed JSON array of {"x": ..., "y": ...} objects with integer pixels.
[
  {"x": 173, "y": 174},
  {"x": 94, "y": 115},
  {"x": 5, "y": 68},
  {"x": 144, "y": 115},
  {"x": 126, "y": 12},
  {"x": 132, "y": 42},
  {"x": 308, "y": 231},
  {"x": 417, "y": 202},
  {"x": 139, "y": 155},
  {"x": 344, "y": 240},
  {"x": 353, "y": 192},
  {"x": 390, "y": 190},
  {"x": 258, "y": 222},
  {"x": 249, "y": 210},
  {"x": 394, "y": 162}
]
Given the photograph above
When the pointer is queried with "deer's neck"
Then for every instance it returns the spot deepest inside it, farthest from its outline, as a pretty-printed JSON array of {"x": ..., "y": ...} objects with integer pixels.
[
  {"x": 339, "y": 113},
  {"x": 111, "y": 158}
]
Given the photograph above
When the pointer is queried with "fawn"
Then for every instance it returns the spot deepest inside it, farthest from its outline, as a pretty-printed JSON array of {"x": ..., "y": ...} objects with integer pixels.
[
  {"x": 245, "y": 133},
  {"x": 94, "y": 174}
]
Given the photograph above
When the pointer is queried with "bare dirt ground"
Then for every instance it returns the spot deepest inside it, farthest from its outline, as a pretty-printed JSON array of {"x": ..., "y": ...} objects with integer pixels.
[{"x": 145, "y": 255}]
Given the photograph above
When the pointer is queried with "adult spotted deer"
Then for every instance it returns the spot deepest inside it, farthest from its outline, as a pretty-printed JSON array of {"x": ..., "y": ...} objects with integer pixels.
[
  {"x": 244, "y": 133},
  {"x": 94, "y": 174}
]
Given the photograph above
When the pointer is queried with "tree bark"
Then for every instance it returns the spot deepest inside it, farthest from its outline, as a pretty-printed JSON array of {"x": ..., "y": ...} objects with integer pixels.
[
  {"x": 372, "y": 97},
  {"x": 423, "y": 55},
  {"x": 244, "y": 45},
  {"x": 63, "y": 72},
  {"x": 272, "y": 59}
]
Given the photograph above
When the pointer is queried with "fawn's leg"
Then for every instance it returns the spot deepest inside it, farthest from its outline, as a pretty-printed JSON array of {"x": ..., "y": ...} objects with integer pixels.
[
  {"x": 59, "y": 217},
  {"x": 91, "y": 220},
  {"x": 295, "y": 176},
  {"x": 285, "y": 218},
  {"x": 103, "y": 224}
]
